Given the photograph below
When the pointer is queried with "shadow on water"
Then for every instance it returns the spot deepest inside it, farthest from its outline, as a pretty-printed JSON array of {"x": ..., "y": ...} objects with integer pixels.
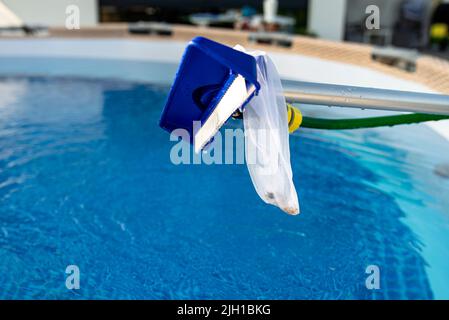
[{"x": 138, "y": 226}]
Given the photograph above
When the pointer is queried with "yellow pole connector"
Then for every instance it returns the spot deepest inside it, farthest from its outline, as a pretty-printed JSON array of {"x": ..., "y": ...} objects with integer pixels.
[{"x": 294, "y": 118}]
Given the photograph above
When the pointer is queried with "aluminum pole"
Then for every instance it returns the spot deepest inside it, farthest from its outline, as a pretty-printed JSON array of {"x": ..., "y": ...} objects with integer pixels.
[{"x": 365, "y": 98}]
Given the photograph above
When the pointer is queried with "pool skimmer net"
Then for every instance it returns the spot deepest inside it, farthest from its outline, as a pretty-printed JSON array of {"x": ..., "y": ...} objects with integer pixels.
[{"x": 214, "y": 81}]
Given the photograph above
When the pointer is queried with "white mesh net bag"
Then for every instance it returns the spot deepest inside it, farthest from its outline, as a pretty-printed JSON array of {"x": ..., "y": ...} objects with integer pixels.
[{"x": 267, "y": 150}]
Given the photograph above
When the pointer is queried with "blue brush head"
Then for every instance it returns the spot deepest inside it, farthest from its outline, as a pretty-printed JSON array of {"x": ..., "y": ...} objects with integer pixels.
[{"x": 207, "y": 68}]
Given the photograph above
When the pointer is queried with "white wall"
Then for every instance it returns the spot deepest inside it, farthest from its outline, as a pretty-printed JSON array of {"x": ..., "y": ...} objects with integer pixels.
[
  {"x": 326, "y": 18},
  {"x": 53, "y": 12}
]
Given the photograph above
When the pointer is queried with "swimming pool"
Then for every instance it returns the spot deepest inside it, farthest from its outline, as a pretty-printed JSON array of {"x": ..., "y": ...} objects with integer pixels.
[{"x": 86, "y": 179}]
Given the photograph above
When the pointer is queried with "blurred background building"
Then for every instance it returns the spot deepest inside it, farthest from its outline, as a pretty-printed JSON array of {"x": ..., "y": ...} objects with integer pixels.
[{"x": 418, "y": 24}]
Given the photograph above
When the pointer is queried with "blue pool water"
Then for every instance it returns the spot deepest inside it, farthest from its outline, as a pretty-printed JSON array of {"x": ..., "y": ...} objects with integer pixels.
[{"x": 86, "y": 179}]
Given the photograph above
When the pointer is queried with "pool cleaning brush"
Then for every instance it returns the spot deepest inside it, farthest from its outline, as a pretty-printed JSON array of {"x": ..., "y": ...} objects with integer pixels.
[{"x": 212, "y": 83}]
